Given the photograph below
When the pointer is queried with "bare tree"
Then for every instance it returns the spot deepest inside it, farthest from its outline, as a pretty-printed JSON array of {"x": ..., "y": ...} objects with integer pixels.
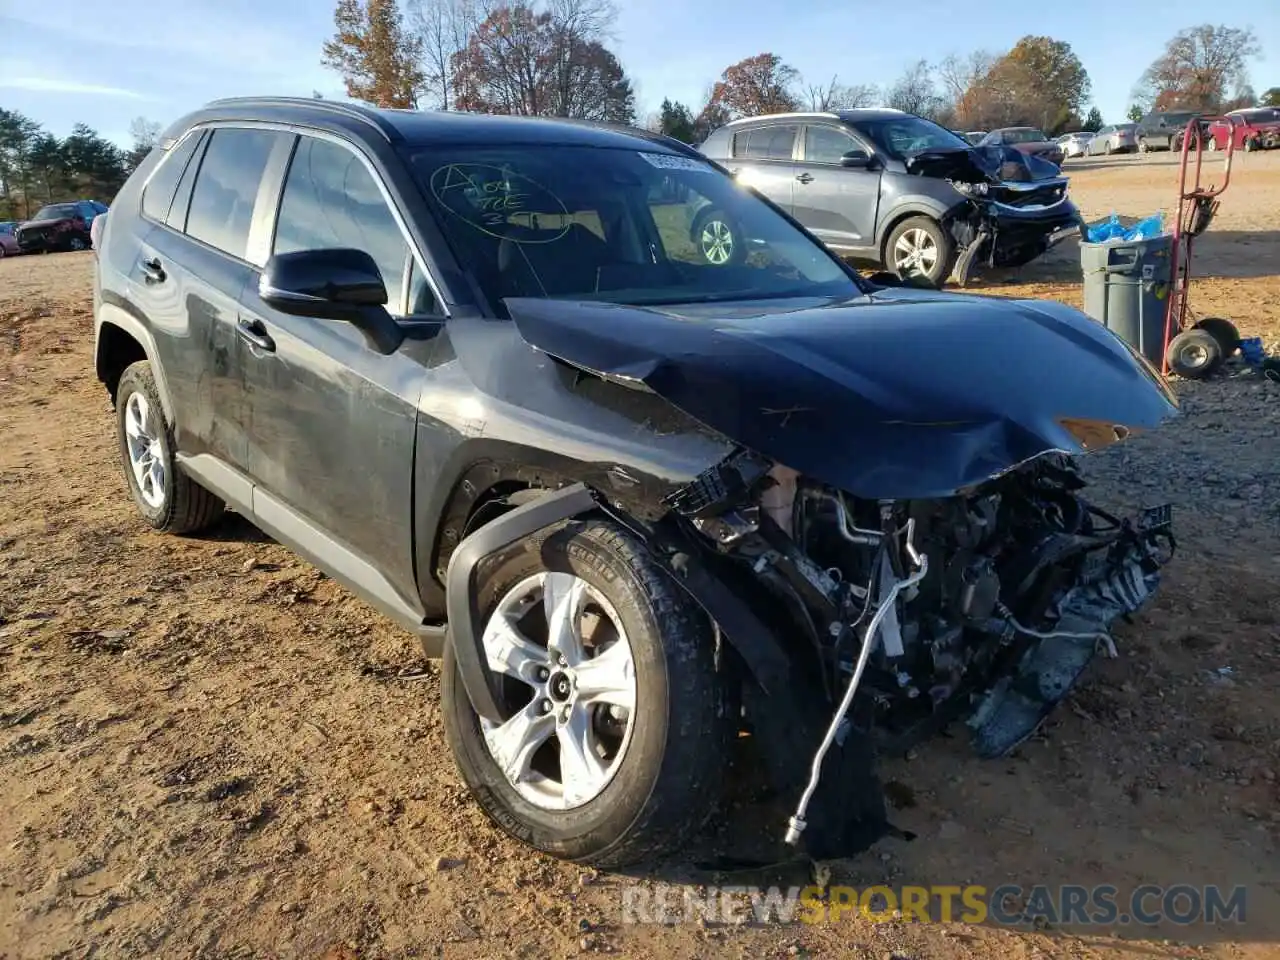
[
  {"x": 1198, "y": 66},
  {"x": 961, "y": 77},
  {"x": 915, "y": 91},
  {"x": 443, "y": 27},
  {"x": 526, "y": 61},
  {"x": 840, "y": 96}
]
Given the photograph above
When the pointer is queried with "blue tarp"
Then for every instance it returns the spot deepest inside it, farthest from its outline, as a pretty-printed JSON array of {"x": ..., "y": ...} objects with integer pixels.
[{"x": 1112, "y": 229}]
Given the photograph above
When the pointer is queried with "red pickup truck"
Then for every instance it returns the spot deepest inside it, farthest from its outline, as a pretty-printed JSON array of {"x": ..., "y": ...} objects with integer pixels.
[{"x": 1253, "y": 129}]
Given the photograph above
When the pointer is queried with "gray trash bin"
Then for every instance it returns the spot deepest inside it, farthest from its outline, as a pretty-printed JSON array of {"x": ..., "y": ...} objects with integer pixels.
[{"x": 1126, "y": 289}]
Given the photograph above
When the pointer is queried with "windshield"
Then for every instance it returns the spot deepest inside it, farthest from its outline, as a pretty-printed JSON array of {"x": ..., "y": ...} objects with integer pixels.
[
  {"x": 908, "y": 136},
  {"x": 56, "y": 211},
  {"x": 621, "y": 226},
  {"x": 1023, "y": 135},
  {"x": 1126, "y": 127}
]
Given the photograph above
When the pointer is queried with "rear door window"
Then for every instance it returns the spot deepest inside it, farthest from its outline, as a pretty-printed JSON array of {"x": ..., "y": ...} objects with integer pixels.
[
  {"x": 226, "y": 188},
  {"x": 773, "y": 142}
]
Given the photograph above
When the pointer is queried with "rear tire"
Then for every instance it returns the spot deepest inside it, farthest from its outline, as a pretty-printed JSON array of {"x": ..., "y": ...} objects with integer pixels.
[
  {"x": 1194, "y": 354},
  {"x": 665, "y": 771},
  {"x": 167, "y": 498},
  {"x": 718, "y": 239},
  {"x": 920, "y": 247}
]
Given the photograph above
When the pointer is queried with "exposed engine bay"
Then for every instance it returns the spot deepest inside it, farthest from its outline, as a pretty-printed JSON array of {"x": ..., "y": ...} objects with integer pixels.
[{"x": 983, "y": 607}]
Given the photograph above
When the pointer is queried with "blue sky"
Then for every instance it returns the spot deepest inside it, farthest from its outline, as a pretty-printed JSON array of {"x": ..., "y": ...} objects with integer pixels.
[{"x": 63, "y": 61}]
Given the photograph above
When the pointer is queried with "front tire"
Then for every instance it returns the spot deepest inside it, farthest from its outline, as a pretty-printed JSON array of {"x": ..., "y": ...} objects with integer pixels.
[
  {"x": 167, "y": 498},
  {"x": 76, "y": 244},
  {"x": 920, "y": 247},
  {"x": 614, "y": 754}
]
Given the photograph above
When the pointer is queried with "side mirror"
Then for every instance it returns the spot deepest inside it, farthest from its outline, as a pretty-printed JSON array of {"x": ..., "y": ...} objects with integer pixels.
[
  {"x": 339, "y": 284},
  {"x": 856, "y": 158}
]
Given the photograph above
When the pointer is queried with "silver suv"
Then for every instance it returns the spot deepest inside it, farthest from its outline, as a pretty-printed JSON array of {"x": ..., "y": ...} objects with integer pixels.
[{"x": 894, "y": 190}]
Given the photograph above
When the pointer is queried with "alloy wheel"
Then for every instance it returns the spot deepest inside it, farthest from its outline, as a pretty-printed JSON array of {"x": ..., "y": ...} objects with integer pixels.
[
  {"x": 915, "y": 252},
  {"x": 146, "y": 456},
  {"x": 567, "y": 668},
  {"x": 717, "y": 242}
]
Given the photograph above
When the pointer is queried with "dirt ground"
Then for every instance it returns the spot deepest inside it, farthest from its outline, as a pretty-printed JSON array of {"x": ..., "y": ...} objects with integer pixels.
[{"x": 207, "y": 749}]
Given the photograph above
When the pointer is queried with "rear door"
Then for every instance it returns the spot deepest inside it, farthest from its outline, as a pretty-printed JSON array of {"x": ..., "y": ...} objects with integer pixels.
[
  {"x": 838, "y": 204},
  {"x": 189, "y": 275},
  {"x": 331, "y": 422},
  {"x": 763, "y": 157}
]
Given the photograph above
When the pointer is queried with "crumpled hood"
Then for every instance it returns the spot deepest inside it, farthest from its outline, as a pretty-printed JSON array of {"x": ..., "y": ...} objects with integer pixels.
[
  {"x": 44, "y": 223},
  {"x": 901, "y": 394},
  {"x": 993, "y": 164}
]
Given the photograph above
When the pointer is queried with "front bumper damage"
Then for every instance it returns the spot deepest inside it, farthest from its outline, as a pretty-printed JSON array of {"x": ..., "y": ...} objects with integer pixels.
[
  {"x": 991, "y": 233},
  {"x": 820, "y": 753}
]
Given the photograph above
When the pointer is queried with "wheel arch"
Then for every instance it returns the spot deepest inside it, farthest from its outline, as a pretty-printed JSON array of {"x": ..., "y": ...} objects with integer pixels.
[{"x": 119, "y": 341}]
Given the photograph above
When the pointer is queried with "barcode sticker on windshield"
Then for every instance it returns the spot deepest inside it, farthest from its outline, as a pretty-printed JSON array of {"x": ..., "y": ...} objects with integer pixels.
[{"x": 667, "y": 161}]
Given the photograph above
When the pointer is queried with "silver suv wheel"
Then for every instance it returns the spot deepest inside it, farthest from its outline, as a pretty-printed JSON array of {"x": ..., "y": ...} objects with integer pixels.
[
  {"x": 146, "y": 457},
  {"x": 563, "y": 745},
  {"x": 915, "y": 252}
]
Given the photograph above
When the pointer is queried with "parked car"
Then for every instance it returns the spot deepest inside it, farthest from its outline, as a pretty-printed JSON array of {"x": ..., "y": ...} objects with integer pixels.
[
  {"x": 894, "y": 190},
  {"x": 1114, "y": 138},
  {"x": 473, "y": 368},
  {"x": 975, "y": 136},
  {"x": 1163, "y": 129},
  {"x": 1074, "y": 144},
  {"x": 1254, "y": 129},
  {"x": 59, "y": 226},
  {"x": 8, "y": 242},
  {"x": 1028, "y": 140}
]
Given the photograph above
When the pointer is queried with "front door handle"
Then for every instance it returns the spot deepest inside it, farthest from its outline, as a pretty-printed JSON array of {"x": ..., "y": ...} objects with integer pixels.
[
  {"x": 805, "y": 178},
  {"x": 153, "y": 271},
  {"x": 255, "y": 332}
]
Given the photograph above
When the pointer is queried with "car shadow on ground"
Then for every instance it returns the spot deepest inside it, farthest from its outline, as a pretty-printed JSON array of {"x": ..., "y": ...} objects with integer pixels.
[
  {"x": 232, "y": 528},
  {"x": 1221, "y": 254}
]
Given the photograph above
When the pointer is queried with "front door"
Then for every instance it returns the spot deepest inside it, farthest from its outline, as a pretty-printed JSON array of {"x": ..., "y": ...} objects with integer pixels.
[
  {"x": 838, "y": 204},
  {"x": 331, "y": 422}
]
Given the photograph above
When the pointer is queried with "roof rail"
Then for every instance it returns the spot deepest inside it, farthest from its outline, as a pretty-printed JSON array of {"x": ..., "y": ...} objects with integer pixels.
[
  {"x": 354, "y": 111},
  {"x": 785, "y": 116}
]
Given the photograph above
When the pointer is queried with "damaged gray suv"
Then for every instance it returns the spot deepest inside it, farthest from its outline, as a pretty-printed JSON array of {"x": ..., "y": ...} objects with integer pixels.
[
  {"x": 640, "y": 503},
  {"x": 894, "y": 190}
]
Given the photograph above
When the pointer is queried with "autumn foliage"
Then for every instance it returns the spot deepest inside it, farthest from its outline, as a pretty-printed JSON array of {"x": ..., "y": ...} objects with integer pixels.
[
  {"x": 525, "y": 62},
  {"x": 757, "y": 85},
  {"x": 378, "y": 60}
]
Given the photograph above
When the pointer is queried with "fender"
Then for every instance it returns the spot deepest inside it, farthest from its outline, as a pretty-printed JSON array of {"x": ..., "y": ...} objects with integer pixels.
[
  {"x": 753, "y": 641},
  {"x": 116, "y": 316}
]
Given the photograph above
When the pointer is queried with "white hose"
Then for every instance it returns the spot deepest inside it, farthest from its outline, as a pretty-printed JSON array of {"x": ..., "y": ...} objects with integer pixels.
[{"x": 796, "y": 825}]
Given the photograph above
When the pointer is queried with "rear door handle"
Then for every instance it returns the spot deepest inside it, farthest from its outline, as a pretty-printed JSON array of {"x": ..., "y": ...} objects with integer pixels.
[
  {"x": 153, "y": 271},
  {"x": 805, "y": 178},
  {"x": 255, "y": 332}
]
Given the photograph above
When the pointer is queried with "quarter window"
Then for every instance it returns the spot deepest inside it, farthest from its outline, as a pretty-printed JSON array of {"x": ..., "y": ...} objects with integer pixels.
[
  {"x": 158, "y": 195},
  {"x": 331, "y": 200},
  {"x": 227, "y": 187}
]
